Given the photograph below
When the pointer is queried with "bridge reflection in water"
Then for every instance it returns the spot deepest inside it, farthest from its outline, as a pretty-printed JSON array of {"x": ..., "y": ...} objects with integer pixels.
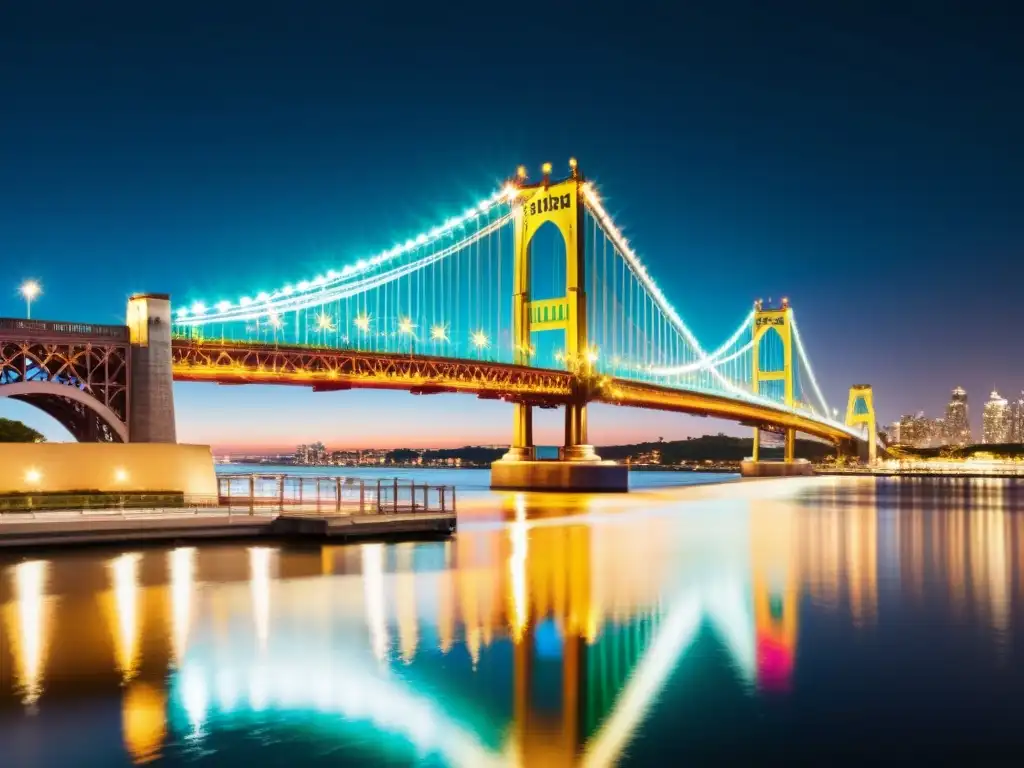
[{"x": 546, "y": 638}]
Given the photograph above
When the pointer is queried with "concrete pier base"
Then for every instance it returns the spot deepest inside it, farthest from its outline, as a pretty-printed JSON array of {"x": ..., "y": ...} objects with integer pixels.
[
  {"x": 797, "y": 468},
  {"x": 570, "y": 476}
]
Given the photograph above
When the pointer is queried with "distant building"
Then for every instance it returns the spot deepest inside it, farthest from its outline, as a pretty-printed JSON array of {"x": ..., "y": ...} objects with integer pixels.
[
  {"x": 919, "y": 431},
  {"x": 995, "y": 420},
  {"x": 312, "y": 454},
  {"x": 957, "y": 425},
  {"x": 1017, "y": 420}
]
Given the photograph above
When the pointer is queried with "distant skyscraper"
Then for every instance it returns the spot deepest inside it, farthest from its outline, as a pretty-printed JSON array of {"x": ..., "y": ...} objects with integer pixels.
[
  {"x": 995, "y": 420},
  {"x": 1017, "y": 420},
  {"x": 957, "y": 427}
]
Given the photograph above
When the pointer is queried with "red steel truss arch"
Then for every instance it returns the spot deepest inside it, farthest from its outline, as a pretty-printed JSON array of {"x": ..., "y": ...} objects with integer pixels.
[{"x": 76, "y": 373}]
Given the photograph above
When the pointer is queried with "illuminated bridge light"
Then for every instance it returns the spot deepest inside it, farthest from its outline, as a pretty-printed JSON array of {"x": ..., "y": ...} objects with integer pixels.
[
  {"x": 439, "y": 333},
  {"x": 223, "y": 306},
  {"x": 245, "y": 301},
  {"x": 274, "y": 320},
  {"x": 479, "y": 339},
  {"x": 198, "y": 308},
  {"x": 324, "y": 322},
  {"x": 362, "y": 322}
]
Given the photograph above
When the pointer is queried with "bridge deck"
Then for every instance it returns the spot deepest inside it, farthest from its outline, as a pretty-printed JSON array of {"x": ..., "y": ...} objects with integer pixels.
[{"x": 330, "y": 369}]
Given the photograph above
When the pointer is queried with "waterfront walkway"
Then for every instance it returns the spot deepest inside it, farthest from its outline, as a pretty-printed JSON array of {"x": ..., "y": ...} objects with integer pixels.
[
  {"x": 247, "y": 507},
  {"x": 100, "y": 526}
]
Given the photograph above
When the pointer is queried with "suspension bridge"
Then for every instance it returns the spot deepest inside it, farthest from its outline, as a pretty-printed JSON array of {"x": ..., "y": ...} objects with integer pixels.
[{"x": 533, "y": 296}]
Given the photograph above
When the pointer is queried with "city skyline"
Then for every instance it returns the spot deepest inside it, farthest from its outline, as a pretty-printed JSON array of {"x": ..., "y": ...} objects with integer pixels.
[{"x": 221, "y": 174}]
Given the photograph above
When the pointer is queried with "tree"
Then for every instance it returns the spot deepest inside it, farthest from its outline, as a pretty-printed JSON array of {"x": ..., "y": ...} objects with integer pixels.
[{"x": 15, "y": 432}]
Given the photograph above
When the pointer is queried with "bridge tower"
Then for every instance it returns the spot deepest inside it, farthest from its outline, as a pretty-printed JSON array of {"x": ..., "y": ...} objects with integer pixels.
[
  {"x": 774, "y": 320},
  {"x": 151, "y": 397},
  {"x": 560, "y": 203},
  {"x": 862, "y": 395}
]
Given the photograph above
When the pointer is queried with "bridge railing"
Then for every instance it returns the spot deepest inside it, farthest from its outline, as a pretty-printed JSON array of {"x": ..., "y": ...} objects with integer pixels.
[
  {"x": 332, "y": 494},
  {"x": 21, "y": 327},
  {"x": 102, "y": 502}
]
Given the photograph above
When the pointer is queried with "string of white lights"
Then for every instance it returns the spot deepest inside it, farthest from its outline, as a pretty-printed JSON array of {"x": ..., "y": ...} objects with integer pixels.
[
  {"x": 290, "y": 300},
  {"x": 715, "y": 358},
  {"x": 225, "y": 311},
  {"x": 712, "y": 362},
  {"x": 593, "y": 202},
  {"x": 807, "y": 364}
]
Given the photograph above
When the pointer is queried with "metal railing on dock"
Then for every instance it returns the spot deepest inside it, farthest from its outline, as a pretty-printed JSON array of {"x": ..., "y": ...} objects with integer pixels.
[{"x": 333, "y": 494}]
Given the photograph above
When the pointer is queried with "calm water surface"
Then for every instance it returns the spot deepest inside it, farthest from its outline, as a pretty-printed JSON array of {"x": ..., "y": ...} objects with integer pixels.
[{"x": 805, "y": 620}]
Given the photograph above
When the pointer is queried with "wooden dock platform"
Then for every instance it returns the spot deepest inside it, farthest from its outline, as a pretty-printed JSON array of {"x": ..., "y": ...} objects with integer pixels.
[{"x": 346, "y": 527}]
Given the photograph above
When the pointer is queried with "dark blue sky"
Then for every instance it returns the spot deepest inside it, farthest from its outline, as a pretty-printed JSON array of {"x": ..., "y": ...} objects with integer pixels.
[{"x": 864, "y": 161}]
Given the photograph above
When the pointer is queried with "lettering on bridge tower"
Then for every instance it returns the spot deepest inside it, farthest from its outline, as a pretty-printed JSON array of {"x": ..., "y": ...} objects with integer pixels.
[{"x": 549, "y": 204}]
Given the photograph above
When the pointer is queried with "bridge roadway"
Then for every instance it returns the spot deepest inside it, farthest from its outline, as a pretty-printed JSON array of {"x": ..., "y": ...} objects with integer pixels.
[{"x": 231, "y": 362}]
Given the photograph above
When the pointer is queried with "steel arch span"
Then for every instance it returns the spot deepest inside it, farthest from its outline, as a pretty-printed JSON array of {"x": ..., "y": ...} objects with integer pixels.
[
  {"x": 76, "y": 373},
  {"x": 85, "y": 417}
]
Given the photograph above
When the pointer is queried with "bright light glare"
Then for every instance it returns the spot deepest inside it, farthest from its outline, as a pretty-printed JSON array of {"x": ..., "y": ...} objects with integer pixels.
[
  {"x": 479, "y": 339},
  {"x": 324, "y": 322},
  {"x": 33, "y": 476},
  {"x": 362, "y": 322},
  {"x": 30, "y": 289},
  {"x": 120, "y": 475},
  {"x": 405, "y": 325},
  {"x": 274, "y": 320},
  {"x": 439, "y": 333}
]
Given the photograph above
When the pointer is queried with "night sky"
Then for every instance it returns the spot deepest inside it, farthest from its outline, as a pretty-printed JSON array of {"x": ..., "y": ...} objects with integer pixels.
[{"x": 863, "y": 161}]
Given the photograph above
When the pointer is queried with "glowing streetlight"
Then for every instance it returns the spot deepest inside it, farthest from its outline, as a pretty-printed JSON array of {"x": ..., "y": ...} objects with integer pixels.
[
  {"x": 439, "y": 333},
  {"x": 362, "y": 322},
  {"x": 479, "y": 339},
  {"x": 324, "y": 322},
  {"x": 406, "y": 326},
  {"x": 30, "y": 289},
  {"x": 274, "y": 320}
]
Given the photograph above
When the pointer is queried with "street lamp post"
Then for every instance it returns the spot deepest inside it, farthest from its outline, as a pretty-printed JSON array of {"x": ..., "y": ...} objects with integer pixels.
[{"x": 30, "y": 289}]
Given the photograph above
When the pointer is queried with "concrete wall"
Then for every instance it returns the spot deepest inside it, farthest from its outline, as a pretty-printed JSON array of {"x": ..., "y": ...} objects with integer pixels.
[{"x": 133, "y": 467}]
